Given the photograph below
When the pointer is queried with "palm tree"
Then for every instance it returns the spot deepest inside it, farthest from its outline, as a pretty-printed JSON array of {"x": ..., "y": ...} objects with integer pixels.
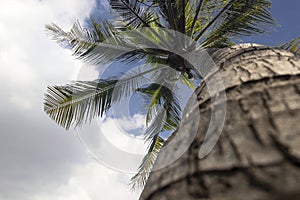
[
  {"x": 257, "y": 155},
  {"x": 211, "y": 24}
]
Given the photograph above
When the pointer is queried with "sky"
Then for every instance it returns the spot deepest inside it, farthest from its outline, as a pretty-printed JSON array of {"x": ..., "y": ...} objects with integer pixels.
[{"x": 38, "y": 159}]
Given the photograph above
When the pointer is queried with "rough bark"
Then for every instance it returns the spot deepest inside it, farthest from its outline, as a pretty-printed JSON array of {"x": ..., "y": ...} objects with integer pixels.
[{"x": 258, "y": 154}]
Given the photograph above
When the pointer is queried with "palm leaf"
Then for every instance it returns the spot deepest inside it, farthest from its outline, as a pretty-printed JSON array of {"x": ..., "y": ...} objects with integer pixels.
[
  {"x": 103, "y": 44},
  {"x": 293, "y": 45},
  {"x": 75, "y": 103},
  {"x": 81, "y": 101},
  {"x": 167, "y": 11},
  {"x": 225, "y": 20},
  {"x": 99, "y": 46},
  {"x": 188, "y": 82},
  {"x": 237, "y": 18},
  {"x": 181, "y": 15},
  {"x": 191, "y": 30},
  {"x": 140, "y": 179},
  {"x": 133, "y": 12},
  {"x": 163, "y": 112}
]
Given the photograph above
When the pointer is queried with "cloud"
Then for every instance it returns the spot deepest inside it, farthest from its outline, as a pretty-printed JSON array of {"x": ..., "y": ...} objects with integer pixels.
[
  {"x": 29, "y": 59},
  {"x": 119, "y": 132},
  {"x": 87, "y": 183},
  {"x": 112, "y": 146},
  {"x": 39, "y": 160}
]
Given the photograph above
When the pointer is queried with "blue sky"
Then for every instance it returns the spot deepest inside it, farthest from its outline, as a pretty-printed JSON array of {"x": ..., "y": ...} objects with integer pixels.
[{"x": 40, "y": 160}]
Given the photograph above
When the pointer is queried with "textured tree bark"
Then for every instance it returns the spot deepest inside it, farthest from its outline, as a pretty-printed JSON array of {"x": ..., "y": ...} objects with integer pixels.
[{"x": 258, "y": 154}]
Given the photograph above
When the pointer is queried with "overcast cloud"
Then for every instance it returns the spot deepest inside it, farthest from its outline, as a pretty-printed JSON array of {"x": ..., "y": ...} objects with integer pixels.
[{"x": 39, "y": 160}]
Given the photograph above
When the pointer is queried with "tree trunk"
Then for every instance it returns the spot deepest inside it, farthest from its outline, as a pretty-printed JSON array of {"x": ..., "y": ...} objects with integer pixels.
[{"x": 258, "y": 154}]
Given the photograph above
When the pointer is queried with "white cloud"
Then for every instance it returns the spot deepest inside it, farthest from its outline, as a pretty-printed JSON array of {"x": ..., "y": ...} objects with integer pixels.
[
  {"x": 137, "y": 121},
  {"x": 27, "y": 57},
  {"x": 90, "y": 183},
  {"x": 117, "y": 131},
  {"x": 38, "y": 159},
  {"x": 112, "y": 146}
]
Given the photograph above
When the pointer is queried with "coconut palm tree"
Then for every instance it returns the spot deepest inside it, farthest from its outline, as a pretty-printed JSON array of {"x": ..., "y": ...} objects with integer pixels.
[
  {"x": 211, "y": 24},
  {"x": 257, "y": 155}
]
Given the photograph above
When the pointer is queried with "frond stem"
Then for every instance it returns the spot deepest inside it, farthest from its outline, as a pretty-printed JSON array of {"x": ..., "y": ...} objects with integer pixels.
[{"x": 214, "y": 20}]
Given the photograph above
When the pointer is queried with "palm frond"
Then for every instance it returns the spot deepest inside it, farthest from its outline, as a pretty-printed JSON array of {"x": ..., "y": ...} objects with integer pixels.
[
  {"x": 186, "y": 81},
  {"x": 157, "y": 123},
  {"x": 81, "y": 101},
  {"x": 163, "y": 112},
  {"x": 237, "y": 18},
  {"x": 134, "y": 13},
  {"x": 181, "y": 15},
  {"x": 140, "y": 179},
  {"x": 103, "y": 44},
  {"x": 100, "y": 45},
  {"x": 76, "y": 103},
  {"x": 191, "y": 30},
  {"x": 293, "y": 45},
  {"x": 167, "y": 11},
  {"x": 208, "y": 11}
]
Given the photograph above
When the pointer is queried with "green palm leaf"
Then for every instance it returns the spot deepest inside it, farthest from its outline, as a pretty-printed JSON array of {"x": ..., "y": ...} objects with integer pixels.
[
  {"x": 163, "y": 115},
  {"x": 101, "y": 45},
  {"x": 188, "y": 82},
  {"x": 75, "y": 103},
  {"x": 133, "y": 12},
  {"x": 191, "y": 28},
  {"x": 167, "y": 12},
  {"x": 163, "y": 112},
  {"x": 140, "y": 179},
  {"x": 237, "y": 18},
  {"x": 81, "y": 101},
  {"x": 293, "y": 45}
]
